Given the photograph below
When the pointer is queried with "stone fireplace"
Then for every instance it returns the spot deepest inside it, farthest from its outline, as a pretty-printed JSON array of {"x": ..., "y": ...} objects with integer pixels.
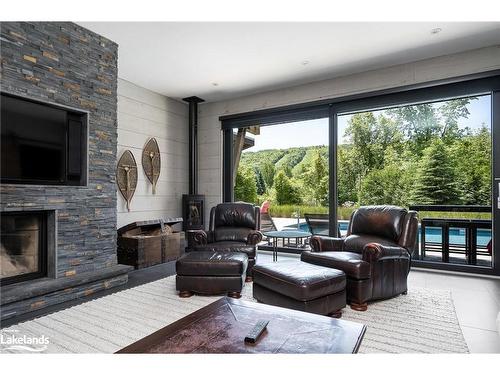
[{"x": 58, "y": 242}]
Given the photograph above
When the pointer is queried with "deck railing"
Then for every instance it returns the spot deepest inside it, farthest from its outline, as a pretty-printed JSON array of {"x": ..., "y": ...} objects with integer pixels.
[{"x": 470, "y": 248}]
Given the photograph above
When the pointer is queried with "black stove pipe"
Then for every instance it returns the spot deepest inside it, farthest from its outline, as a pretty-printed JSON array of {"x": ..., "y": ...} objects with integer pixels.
[{"x": 193, "y": 142}]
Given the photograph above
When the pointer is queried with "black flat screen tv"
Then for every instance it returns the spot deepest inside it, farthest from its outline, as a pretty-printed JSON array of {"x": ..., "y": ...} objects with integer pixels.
[{"x": 42, "y": 143}]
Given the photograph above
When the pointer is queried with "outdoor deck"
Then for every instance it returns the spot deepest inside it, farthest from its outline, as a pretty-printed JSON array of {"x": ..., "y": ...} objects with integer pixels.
[{"x": 455, "y": 250}]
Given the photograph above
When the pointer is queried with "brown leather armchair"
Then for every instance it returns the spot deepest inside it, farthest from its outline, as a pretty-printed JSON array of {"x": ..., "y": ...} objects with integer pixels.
[
  {"x": 234, "y": 227},
  {"x": 375, "y": 254}
]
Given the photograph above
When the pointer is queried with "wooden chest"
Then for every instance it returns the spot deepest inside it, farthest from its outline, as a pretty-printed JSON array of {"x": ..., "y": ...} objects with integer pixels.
[{"x": 146, "y": 243}]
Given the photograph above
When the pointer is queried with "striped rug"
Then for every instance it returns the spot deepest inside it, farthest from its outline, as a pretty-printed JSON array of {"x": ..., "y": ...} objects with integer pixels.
[{"x": 424, "y": 321}]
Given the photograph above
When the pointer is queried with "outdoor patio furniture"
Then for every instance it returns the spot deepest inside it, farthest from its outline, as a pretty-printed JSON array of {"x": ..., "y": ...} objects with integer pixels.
[
  {"x": 318, "y": 224},
  {"x": 375, "y": 254},
  {"x": 208, "y": 272},
  {"x": 299, "y": 236},
  {"x": 234, "y": 227},
  {"x": 300, "y": 286},
  {"x": 266, "y": 221}
]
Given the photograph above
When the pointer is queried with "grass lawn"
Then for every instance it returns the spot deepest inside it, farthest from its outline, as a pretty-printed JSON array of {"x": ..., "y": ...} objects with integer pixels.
[{"x": 344, "y": 213}]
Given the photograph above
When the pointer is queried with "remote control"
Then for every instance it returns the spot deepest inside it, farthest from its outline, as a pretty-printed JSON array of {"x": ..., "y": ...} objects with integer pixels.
[{"x": 256, "y": 331}]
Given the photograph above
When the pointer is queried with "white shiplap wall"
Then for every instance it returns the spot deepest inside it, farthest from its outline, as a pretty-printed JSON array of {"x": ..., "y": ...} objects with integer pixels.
[
  {"x": 210, "y": 137},
  {"x": 143, "y": 114}
]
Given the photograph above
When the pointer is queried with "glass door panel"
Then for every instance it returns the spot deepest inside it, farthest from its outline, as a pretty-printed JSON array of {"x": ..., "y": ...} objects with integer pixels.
[
  {"x": 435, "y": 158},
  {"x": 284, "y": 169}
]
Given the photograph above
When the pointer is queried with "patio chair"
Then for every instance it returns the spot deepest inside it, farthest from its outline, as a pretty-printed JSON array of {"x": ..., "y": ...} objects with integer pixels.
[
  {"x": 319, "y": 224},
  {"x": 266, "y": 221}
]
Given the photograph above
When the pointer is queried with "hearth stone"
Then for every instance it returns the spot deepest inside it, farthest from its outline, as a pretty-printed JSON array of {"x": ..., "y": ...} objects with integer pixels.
[{"x": 20, "y": 298}]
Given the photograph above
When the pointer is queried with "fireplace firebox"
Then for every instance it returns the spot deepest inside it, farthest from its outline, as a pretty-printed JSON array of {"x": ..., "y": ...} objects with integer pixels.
[
  {"x": 193, "y": 211},
  {"x": 23, "y": 247}
]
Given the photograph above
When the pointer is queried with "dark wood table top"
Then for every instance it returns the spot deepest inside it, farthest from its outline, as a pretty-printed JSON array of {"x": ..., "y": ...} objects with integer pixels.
[{"x": 221, "y": 328}]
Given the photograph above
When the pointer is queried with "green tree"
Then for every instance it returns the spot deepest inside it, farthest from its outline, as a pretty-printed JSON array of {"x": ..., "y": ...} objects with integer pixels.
[
  {"x": 315, "y": 180},
  {"x": 435, "y": 181},
  {"x": 418, "y": 122},
  {"x": 360, "y": 132},
  {"x": 369, "y": 137},
  {"x": 421, "y": 123},
  {"x": 348, "y": 173},
  {"x": 389, "y": 185},
  {"x": 261, "y": 185},
  {"x": 245, "y": 188},
  {"x": 292, "y": 157},
  {"x": 287, "y": 170},
  {"x": 268, "y": 171},
  {"x": 450, "y": 112},
  {"x": 286, "y": 192},
  {"x": 473, "y": 165}
]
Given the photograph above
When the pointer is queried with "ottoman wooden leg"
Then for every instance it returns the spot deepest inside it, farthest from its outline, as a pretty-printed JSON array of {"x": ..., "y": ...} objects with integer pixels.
[
  {"x": 185, "y": 294},
  {"x": 234, "y": 294},
  {"x": 359, "y": 306},
  {"x": 336, "y": 314}
]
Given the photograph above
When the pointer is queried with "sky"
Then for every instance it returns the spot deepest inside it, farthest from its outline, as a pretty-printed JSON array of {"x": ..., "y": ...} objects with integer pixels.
[{"x": 315, "y": 132}]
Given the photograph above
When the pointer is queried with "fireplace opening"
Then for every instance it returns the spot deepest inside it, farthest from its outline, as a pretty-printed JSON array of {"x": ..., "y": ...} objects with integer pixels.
[
  {"x": 193, "y": 211},
  {"x": 23, "y": 248}
]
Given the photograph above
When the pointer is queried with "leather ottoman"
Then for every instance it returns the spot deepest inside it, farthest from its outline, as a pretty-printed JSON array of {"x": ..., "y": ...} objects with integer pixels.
[
  {"x": 300, "y": 286},
  {"x": 231, "y": 247},
  {"x": 209, "y": 272}
]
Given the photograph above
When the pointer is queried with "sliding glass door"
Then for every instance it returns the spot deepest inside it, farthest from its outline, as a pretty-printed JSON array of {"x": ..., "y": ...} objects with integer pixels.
[
  {"x": 433, "y": 157},
  {"x": 429, "y": 149},
  {"x": 284, "y": 169}
]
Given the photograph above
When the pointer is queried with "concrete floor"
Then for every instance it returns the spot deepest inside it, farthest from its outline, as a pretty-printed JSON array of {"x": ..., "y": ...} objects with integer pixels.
[
  {"x": 477, "y": 303},
  {"x": 476, "y": 299}
]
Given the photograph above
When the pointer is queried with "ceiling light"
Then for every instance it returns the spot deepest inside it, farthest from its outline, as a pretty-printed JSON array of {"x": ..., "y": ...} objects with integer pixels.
[
  {"x": 437, "y": 30},
  {"x": 305, "y": 62}
]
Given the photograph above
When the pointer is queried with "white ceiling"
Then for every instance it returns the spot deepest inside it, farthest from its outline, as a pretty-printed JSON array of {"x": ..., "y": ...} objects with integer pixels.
[{"x": 217, "y": 61}]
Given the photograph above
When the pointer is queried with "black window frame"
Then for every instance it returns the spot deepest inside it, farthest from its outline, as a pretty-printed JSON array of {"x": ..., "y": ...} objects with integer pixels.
[{"x": 432, "y": 91}]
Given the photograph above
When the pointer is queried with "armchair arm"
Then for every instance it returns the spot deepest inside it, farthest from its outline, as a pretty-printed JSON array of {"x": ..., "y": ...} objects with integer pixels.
[
  {"x": 322, "y": 243},
  {"x": 199, "y": 237},
  {"x": 374, "y": 252},
  {"x": 254, "y": 237}
]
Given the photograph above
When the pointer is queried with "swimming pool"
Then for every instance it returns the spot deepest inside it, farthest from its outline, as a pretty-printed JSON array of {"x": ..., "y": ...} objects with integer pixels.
[{"x": 457, "y": 235}]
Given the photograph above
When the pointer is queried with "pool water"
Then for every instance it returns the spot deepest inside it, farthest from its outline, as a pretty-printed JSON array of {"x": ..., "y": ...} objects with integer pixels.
[{"x": 457, "y": 235}]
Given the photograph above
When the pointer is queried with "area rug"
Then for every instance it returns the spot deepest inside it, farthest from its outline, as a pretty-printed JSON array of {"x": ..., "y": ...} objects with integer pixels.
[{"x": 424, "y": 321}]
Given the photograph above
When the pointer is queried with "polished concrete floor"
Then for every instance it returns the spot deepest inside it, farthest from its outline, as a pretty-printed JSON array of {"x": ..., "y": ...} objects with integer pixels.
[
  {"x": 477, "y": 303},
  {"x": 476, "y": 299}
]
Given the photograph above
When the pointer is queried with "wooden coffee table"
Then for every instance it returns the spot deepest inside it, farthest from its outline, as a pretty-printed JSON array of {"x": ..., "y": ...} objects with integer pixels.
[{"x": 221, "y": 327}]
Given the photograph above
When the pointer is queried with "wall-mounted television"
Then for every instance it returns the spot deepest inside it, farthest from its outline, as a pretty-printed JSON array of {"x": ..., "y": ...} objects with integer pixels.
[{"x": 42, "y": 144}]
